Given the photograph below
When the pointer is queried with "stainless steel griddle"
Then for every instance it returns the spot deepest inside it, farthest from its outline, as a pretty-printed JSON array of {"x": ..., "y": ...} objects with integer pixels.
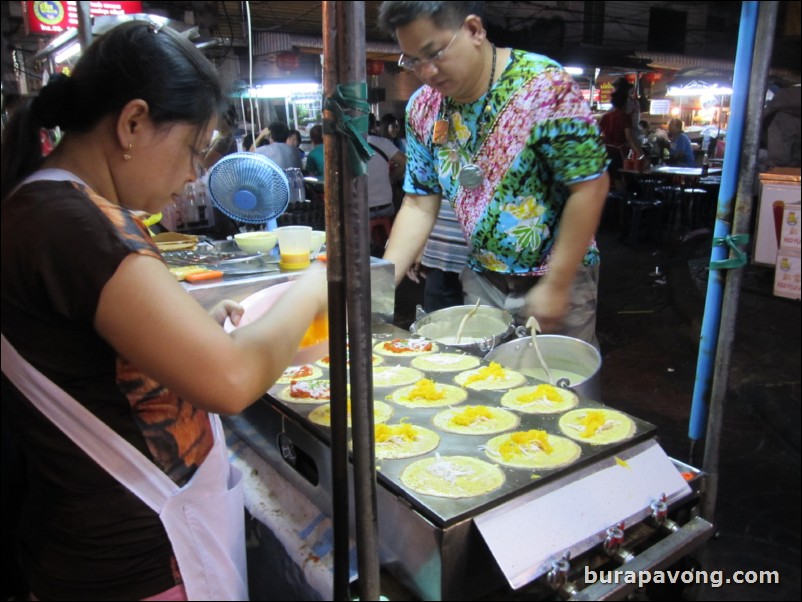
[{"x": 445, "y": 548}]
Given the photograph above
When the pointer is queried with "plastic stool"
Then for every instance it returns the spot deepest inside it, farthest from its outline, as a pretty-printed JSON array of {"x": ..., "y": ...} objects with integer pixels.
[
  {"x": 693, "y": 205},
  {"x": 670, "y": 195},
  {"x": 380, "y": 228},
  {"x": 637, "y": 207}
]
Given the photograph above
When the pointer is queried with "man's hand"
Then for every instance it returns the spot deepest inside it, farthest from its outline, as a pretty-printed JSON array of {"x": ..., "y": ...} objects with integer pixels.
[
  {"x": 548, "y": 303},
  {"x": 416, "y": 273}
]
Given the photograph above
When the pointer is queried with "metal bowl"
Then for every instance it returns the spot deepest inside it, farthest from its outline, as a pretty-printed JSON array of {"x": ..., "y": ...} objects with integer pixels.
[
  {"x": 563, "y": 355},
  {"x": 488, "y": 327}
]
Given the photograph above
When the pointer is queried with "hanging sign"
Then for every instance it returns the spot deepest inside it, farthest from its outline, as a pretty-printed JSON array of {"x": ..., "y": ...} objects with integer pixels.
[
  {"x": 660, "y": 106},
  {"x": 56, "y": 17}
]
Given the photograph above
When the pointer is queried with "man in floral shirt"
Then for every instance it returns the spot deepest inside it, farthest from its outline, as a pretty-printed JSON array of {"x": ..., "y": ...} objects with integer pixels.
[{"x": 507, "y": 138}]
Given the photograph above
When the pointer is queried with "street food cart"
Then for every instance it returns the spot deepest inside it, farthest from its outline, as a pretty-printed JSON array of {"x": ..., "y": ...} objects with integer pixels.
[{"x": 621, "y": 503}]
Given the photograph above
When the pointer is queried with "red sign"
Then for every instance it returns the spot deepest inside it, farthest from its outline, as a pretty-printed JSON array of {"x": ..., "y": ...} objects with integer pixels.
[{"x": 55, "y": 17}]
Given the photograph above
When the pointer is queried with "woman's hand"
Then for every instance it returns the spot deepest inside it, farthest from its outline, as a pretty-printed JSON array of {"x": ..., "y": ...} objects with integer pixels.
[{"x": 227, "y": 309}]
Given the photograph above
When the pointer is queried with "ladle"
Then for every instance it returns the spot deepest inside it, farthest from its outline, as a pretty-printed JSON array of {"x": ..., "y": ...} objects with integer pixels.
[
  {"x": 534, "y": 327},
  {"x": 458, "y": 338}
]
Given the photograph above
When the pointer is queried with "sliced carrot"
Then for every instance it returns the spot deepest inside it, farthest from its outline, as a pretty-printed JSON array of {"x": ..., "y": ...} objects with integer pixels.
[{"x": 200, "y": 277}]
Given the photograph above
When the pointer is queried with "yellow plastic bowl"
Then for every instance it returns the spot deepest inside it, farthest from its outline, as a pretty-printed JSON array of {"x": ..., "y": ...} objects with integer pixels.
[{"x": 256, "y": 242}]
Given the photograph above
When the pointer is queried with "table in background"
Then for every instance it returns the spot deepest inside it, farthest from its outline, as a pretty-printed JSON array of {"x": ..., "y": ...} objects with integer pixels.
[{"x": 674, "y": 190}]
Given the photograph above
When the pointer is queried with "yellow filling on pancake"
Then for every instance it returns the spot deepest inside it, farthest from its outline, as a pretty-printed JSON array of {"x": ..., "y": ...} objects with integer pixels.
[
  {"x": 404, "y": 441},
  {"x": 533, "y": 449},
  {"x": 475, "y": 420},
  {"x": 428, "y": 394},
  {"x": 540, "y": 399},
  {"x": 597, "y": 426},
  {"x": 493, "y": 376}
]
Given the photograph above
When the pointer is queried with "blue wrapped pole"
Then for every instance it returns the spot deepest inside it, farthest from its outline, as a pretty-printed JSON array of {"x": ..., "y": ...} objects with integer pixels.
[{"x": 723, "y": 227}]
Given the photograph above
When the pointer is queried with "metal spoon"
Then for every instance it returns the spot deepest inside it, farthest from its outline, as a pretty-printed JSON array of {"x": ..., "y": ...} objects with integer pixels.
[
  {"x": 534, "y": 327},
  {"x": 458, "y": 338}
]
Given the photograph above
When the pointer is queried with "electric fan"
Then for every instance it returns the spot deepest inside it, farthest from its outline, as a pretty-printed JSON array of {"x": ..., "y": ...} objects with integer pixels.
[{"x": 249, "y": 188}]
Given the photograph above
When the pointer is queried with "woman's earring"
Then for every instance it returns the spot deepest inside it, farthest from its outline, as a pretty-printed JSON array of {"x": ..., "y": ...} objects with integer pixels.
[{"x": 127, "y": 154}]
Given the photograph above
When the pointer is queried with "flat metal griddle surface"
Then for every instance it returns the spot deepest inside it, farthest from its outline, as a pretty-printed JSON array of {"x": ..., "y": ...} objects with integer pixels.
[{"x": 446, "y": 511}]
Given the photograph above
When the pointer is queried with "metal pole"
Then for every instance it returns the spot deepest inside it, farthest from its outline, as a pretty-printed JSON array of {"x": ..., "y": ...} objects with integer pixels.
[
  {"x": 347, "y": 211},
  {"x": 743, "y": 214},
  {"x": 729, "y": 178},
  {"x": 336, "y": 171},
  {"x": 84, "y": 25}
]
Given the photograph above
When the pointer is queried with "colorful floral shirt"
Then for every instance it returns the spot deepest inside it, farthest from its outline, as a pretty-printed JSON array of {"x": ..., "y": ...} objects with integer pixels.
[{"x": 537, "y": 138}]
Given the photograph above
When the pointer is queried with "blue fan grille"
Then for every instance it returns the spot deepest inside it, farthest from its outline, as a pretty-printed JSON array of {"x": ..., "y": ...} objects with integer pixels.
[{"x": 249, "y": 188}]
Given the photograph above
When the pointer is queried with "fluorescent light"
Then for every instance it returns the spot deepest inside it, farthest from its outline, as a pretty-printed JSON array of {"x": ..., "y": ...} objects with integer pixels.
[
  {"x": 67, "y": 53},
  {"x": 575, "y": 70},
  {"x": 698, "y": 91},
  {"x": 282, "y": 90}
]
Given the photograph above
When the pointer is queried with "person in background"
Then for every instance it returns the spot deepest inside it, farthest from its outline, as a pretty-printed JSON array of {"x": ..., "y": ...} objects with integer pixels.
[
  {"x": 285, "y": 155},
  {"x": 315, "y": 158},
  {"x": 645, "y": 132},
  {"x": 294, "y": 139},
  {"x": 506, "y": 137},
  {"x": 386, "y": 163},
  {"x": 616, "y": 129},
  {"x": 390, "y": 128},
  {"x": 114, "y": 376},
  {"x": 680, "y": 151},
  {"x": 441, "y": 263},
  {"x": 631, "y": 107}
]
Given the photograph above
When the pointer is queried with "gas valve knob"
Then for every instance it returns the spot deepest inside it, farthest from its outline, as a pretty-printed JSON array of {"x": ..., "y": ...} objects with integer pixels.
[
  {"x": 659, "y": 510},
  {"x": 660, "y": 515},
  {"x": 614, "y": 539},
  {"x": 558, "y": 574}
]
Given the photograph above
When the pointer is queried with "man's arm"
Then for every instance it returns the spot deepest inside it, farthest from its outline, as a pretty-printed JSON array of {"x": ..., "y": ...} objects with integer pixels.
[
  {"x": 548, "y": 300},
  {"x": 411, "y": 229}
]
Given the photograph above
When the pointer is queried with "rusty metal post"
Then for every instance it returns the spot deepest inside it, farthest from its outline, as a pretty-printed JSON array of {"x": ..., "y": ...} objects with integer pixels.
[
  {"x": 349, "y": 298},
  {"x": 742, "y": 216}
]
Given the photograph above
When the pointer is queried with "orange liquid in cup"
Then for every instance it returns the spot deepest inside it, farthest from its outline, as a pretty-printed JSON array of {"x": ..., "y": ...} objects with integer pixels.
[
  {"x": 317, "y": 332},
  {"x": 294, "y": 261}
]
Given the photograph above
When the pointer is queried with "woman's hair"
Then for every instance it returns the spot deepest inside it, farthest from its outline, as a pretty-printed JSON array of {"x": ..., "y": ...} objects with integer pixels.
[
  {"x": 295, "y": 133},
  {"x": 445, "y": 15},
  {"x": 619, "y": 98},
  {"x": 135, "y": 60}
]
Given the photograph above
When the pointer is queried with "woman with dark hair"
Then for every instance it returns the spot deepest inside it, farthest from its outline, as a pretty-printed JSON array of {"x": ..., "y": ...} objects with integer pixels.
[
  {"x": 113, "y": 375},
  {"x": 616, "y": 129},
  {"x": 390, "y": 128}
]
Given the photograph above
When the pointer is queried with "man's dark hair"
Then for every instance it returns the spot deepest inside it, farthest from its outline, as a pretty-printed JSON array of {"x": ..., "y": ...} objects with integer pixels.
[
  {"x": 316, "y": 134},
  {"x": 279, "y": 132},
  {"x": 445, "y": 15}
]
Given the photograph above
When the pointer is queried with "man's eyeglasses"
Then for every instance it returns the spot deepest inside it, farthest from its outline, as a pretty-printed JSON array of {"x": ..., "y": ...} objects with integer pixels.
[{"x": 410, "y": 63}]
